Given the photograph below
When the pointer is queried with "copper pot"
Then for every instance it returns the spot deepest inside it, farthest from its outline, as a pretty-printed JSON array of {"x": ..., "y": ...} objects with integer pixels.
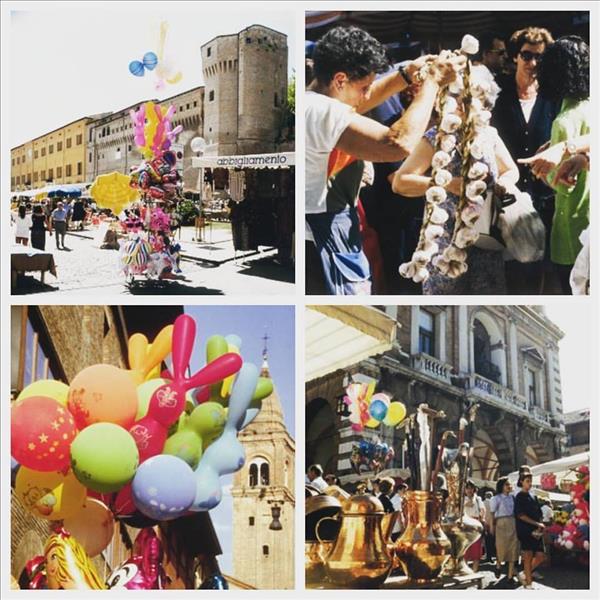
[
  {"x": 315, "y": 554},
  {"x": 359, "y": 557},
  {"x": 462, "y": 533},
  {"x": 423, "y": 548}
]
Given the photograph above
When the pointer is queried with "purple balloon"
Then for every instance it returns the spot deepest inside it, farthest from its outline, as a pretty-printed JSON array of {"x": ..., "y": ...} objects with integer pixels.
[{"x": 164, "y": 487}]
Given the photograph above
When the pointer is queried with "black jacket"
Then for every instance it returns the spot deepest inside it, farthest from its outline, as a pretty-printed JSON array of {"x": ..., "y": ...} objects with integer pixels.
[{"x": 523, "y": 139}]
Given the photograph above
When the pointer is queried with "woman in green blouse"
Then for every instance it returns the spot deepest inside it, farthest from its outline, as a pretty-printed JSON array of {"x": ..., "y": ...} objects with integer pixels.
[{"x": 564, "y": 74}]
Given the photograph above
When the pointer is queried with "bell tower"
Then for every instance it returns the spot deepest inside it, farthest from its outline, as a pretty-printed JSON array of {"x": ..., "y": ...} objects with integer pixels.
[{"x": 263, "y": 498}]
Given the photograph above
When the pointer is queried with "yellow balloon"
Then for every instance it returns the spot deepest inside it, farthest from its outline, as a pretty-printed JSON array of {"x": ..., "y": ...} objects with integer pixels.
[
  {"x": 228, "y": 381},
  {"x": 46, "y": 387},
  {"x": 51, "y": 495},
  {"x": 372, "y": 423},
  {"x": 144, "y": 358},
  {"x": 396, "y": 412},
  {"x": 113, "y": 191},
  {"x": 150, "y": 130}
]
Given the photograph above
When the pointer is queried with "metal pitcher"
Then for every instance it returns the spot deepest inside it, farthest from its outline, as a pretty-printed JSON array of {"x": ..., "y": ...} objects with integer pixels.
[{"x": 359, "y": 557}]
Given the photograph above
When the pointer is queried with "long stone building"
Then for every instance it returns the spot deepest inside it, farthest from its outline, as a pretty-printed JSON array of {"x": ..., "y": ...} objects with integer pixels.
[{"x": 504, "y": 358}]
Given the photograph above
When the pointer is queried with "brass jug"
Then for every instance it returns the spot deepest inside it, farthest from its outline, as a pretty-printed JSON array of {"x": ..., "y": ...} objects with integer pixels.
[
  {"x": 462, "y": 533},
  {"x": 315, "y": 554},
  {"x": 359, "y": 558},
  {"x": 423, "y": 548}
]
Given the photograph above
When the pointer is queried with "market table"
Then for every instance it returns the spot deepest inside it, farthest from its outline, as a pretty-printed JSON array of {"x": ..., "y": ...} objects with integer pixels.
[{"x": 24, "y": 259}]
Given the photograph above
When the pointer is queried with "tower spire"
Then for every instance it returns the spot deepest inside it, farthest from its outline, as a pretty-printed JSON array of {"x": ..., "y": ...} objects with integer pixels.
[{"x": 264, "y": 372}]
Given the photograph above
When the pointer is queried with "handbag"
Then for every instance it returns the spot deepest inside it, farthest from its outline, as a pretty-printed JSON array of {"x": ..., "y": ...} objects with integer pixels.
[{"x": 517, "y": 225}]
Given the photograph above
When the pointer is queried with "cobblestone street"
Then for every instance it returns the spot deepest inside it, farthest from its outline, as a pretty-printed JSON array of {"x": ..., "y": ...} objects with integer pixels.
[{"x": 207, "y": 269}]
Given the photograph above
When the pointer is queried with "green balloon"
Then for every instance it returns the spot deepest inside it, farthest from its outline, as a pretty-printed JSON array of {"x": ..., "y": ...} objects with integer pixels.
[
  {"x": 264, "y": 388},
  {"x": 207, "y": 420},
  {"x": 186, "y": 445},
  {"x": 216, "y": 346},
  {"x": 104, "y": 457}
]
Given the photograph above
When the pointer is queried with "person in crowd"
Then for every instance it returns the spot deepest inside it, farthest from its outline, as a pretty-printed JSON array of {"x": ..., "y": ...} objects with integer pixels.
[
  {"x": 523, "y": 470},
  {"x": 490, "y": 544},
  {"x": 59, "y": 223},
  {"x": 485, "y": 274},
  {"x": 40, "y": 223},
  {"x": 314, "y": 475},
  {"x": 563, "y": 75},
  {"x": 475, "y": 509},
  {"x": 78, "y": 216},
  {"x": 547, "y": 512},
  {"x": 346, "y": 61},
  {"x": 332, "y": 479},
  {"x": 503, "y": 526},
  {"x": 386, "y": 486},
  {"x": 22, "y": 226},
  {"x": 398, "y": 504},
  {"x": 492, "y": 54},
  {"x": 523, "y": 117},
  {"x": 530, "y": 530}
]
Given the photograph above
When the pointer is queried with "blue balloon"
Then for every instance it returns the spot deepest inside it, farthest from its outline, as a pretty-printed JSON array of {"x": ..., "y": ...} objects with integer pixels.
[
  {"x": 378, "y": 410},
  {"x": 150, "y": 60},
  {"x": 136, "y": 68},
  {"x": 163, "y": 487},
  {"x": 234, "y": 340}
]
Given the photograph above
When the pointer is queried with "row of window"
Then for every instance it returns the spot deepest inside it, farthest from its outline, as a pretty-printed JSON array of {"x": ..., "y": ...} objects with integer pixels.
[
  {"x": 50, "y": 149},
  {"x": 44, "y": 175}
]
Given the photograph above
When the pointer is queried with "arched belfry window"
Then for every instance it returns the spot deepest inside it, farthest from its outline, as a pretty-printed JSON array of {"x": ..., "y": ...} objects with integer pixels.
[{"x": 258, "y": 472}]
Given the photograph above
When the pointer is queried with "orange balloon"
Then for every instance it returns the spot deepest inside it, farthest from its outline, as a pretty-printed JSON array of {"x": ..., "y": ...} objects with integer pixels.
[
  {"x": 103, "y": 394},
  {"x": 93, "y": 526}
]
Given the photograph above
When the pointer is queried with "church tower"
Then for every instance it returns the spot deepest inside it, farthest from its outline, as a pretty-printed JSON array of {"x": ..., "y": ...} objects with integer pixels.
[{"x": 263, "y": 543}]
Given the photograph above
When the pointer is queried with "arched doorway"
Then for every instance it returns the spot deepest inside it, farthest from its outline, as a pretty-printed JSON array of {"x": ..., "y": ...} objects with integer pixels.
[
  {"x": 322, "y": 437},
  {"x": 488, "y": 354},
  {"x": 485, "y": 463}
]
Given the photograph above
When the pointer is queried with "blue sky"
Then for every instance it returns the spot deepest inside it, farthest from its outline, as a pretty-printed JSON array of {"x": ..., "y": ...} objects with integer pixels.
[
  {"x": 79, "y": 70},
  {"x": 250, "y": 323}
]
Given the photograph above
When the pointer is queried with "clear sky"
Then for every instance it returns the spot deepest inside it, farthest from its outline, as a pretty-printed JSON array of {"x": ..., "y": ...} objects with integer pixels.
[
  {"x": 577, "y": 361},
  {"x": 250, "y": 323},
  {"x": 70, "y": 60}
]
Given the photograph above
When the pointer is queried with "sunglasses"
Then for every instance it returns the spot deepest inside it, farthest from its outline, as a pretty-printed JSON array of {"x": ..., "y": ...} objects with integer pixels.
[{"x": 528, "y": 56}]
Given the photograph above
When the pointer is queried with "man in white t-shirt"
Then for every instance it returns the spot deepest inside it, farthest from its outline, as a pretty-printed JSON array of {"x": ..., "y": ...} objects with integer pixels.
[
  {"x": 346, "y": 61},
  {"x": 315, "y": 477}
]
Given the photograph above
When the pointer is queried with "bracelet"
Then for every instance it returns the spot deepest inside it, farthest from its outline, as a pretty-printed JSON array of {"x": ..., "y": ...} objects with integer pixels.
[{"x": 404, "y": 72}]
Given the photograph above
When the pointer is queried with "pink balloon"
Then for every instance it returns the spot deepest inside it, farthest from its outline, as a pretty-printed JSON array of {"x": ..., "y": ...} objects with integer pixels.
[
  {"x": 150, "y": 436},
  {"x": 170, "y": 112}
]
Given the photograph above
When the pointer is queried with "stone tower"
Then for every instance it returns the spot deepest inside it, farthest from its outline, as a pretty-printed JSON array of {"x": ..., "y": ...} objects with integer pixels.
[
  {"x": 264, "y": 557},
  {"x": 245, "y": 77}
]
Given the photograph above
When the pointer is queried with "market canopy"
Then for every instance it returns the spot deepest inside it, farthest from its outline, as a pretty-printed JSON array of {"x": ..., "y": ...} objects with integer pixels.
[
  {"x": 340, "y": 336},
  {"x": 65, "y": 189},
  {"x": 274, "y": 160},
  {"x": 562, "y": 468}
]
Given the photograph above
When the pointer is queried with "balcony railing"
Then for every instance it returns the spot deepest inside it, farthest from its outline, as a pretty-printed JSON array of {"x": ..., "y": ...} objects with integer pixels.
[
  {"x": 482, "y": 386},
  {"x": 432, "y": 366}
]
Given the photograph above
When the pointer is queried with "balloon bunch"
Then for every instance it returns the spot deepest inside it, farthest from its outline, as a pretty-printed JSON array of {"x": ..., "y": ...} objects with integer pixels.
[
  {"x": 575, "y": 535},
  {"x": 375, "y": 456},
  {"x": 137, "y": 445},
  {"x": 158, "y": 178},
  {"x": 370, "y": 410},
  {"x": 152, "y": 129}
]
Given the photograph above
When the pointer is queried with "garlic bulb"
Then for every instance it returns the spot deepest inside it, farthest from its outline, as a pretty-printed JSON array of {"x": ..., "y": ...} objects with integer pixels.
[
  {"x": 432, "y": 232},
  {"x": 465, "y": 237},
  {"x": 442, "y": 177},
  {"x": 448, "y": 143},
  {"x": 454, "y": 253},
  {"x": 450, "y": 123},
  {"x": 478, "y": 170},
  {"x": 470, "y": 214},
  {"x": 457, "y": 86},
  {"x": 440, "y": 159},
  {"x": 421, "y": 275},
  {"x": 438, "y": 216},
  {"x": 441, "y": 264},
  {"x": 475, "y": 188},
  {"x": 469, "y": 45},
  {"x": 482, "y": 118},
  {"x": 407, "y": 269},
  {"x": 477, "y": 200},
  {"x": 450, "y": 105},
  {"x": 435, "y": 194},
  {"x": 476, "y": 148}
]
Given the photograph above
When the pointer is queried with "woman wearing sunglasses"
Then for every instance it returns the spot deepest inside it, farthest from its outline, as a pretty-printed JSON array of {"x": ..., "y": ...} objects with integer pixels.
[{"x": 523, "y": 117}]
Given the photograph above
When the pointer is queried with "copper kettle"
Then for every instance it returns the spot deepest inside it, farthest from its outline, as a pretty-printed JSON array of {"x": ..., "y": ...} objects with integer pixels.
[{"x": 359, "y": 557}]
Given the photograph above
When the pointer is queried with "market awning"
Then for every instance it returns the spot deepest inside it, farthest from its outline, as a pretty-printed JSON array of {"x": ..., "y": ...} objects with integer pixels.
[
  {"x": 64, "y": 189},
  {"x": 563, "y": 468},
  {"x": 275, "y": 160},
  {"x": 340, "y": 336}
]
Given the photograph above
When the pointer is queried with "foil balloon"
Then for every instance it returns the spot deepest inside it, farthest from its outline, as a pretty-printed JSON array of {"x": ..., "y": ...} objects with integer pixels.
[
  {"x": 165, "y": 72},
  {"x": 225, "y": 455},
  {"x": 144, "y": 570},
  {"x": 113, "y": 191},
  {"x": 93, "y": 526},
  {"x": 68, "y": 567},
  {"x": 168, "y": 401}
]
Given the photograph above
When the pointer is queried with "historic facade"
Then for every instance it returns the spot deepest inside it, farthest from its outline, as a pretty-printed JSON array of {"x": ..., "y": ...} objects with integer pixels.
[
  {"x": 503, "y": 358},
  {"x": 245, "y": 77},
  {"x": 577, "y": 427},
  {"x": 263, "y": 551}
]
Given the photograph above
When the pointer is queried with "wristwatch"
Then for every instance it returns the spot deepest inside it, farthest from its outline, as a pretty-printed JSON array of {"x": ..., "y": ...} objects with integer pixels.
[{"x": 404, "y": 72}]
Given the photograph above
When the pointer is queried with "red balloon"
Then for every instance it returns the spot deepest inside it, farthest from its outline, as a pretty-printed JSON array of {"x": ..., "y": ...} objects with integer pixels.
[
  {"x": 156, "y": 192},
  {"x": 41, "y": 434}
]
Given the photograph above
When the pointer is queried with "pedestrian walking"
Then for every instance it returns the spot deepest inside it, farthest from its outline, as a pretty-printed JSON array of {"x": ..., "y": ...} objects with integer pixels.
[
  {"x": 503, "y": 526},
  {"x": 39, "y": 225},
  {"x": 23, "y": 226},
  {"x": 59, "y": 223},
  {"x": 475, "y": 509}
]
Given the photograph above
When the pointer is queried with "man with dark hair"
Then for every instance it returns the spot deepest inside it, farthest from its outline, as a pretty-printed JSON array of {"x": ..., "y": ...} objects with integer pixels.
[
  {"x": 492, "y": 54},
  {"x": 346, "y": 61},
  {"x": 314, "y": 475},
  {"x": 523, "y": 118}
]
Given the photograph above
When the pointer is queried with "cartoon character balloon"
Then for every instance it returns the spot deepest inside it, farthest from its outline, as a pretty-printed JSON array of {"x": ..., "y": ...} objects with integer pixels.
[
  {"x": 68, "y": 567},
  {"x": 144, "y": 570}
]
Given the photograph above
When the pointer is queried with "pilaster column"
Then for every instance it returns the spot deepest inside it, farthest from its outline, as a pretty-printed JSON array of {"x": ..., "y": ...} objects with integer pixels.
[{"x": 464, "y": 332}]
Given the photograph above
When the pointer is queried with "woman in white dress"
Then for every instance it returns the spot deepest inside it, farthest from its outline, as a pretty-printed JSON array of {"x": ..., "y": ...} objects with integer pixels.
[{"x": 23, "y": 226}]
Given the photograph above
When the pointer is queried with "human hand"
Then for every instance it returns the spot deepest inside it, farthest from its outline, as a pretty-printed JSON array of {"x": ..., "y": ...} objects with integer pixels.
[
  {"x": 447, "y": 66},
  {"x": 542, "y": 163},
  {"x": 541, "y": 526},
  {"x": 569, "y": 169},
  {"x": 413, "y": 69}
]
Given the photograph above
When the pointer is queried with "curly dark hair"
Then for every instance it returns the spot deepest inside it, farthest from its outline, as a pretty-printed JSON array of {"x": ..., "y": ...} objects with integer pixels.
[
  {"x": 564, "y": 70},
  {"x": 529, "y": 35},
  {"x": 349, "y": 50}
]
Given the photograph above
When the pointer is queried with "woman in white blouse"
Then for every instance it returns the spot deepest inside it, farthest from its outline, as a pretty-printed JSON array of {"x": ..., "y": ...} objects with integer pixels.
[{"x": 502, "y": 507}]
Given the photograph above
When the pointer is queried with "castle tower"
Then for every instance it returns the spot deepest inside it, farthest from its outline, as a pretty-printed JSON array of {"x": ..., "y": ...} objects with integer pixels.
[
  {"x": 245, "y": 76},
  {"x": 264, "y": 557}
]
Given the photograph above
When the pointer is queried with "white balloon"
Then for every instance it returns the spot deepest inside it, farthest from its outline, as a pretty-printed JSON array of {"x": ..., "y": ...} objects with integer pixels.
[{"x": 198, "y": 144}]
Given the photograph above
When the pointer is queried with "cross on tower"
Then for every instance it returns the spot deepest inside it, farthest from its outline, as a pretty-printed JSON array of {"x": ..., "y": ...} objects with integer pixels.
[{"x": 265, "y": 338}]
